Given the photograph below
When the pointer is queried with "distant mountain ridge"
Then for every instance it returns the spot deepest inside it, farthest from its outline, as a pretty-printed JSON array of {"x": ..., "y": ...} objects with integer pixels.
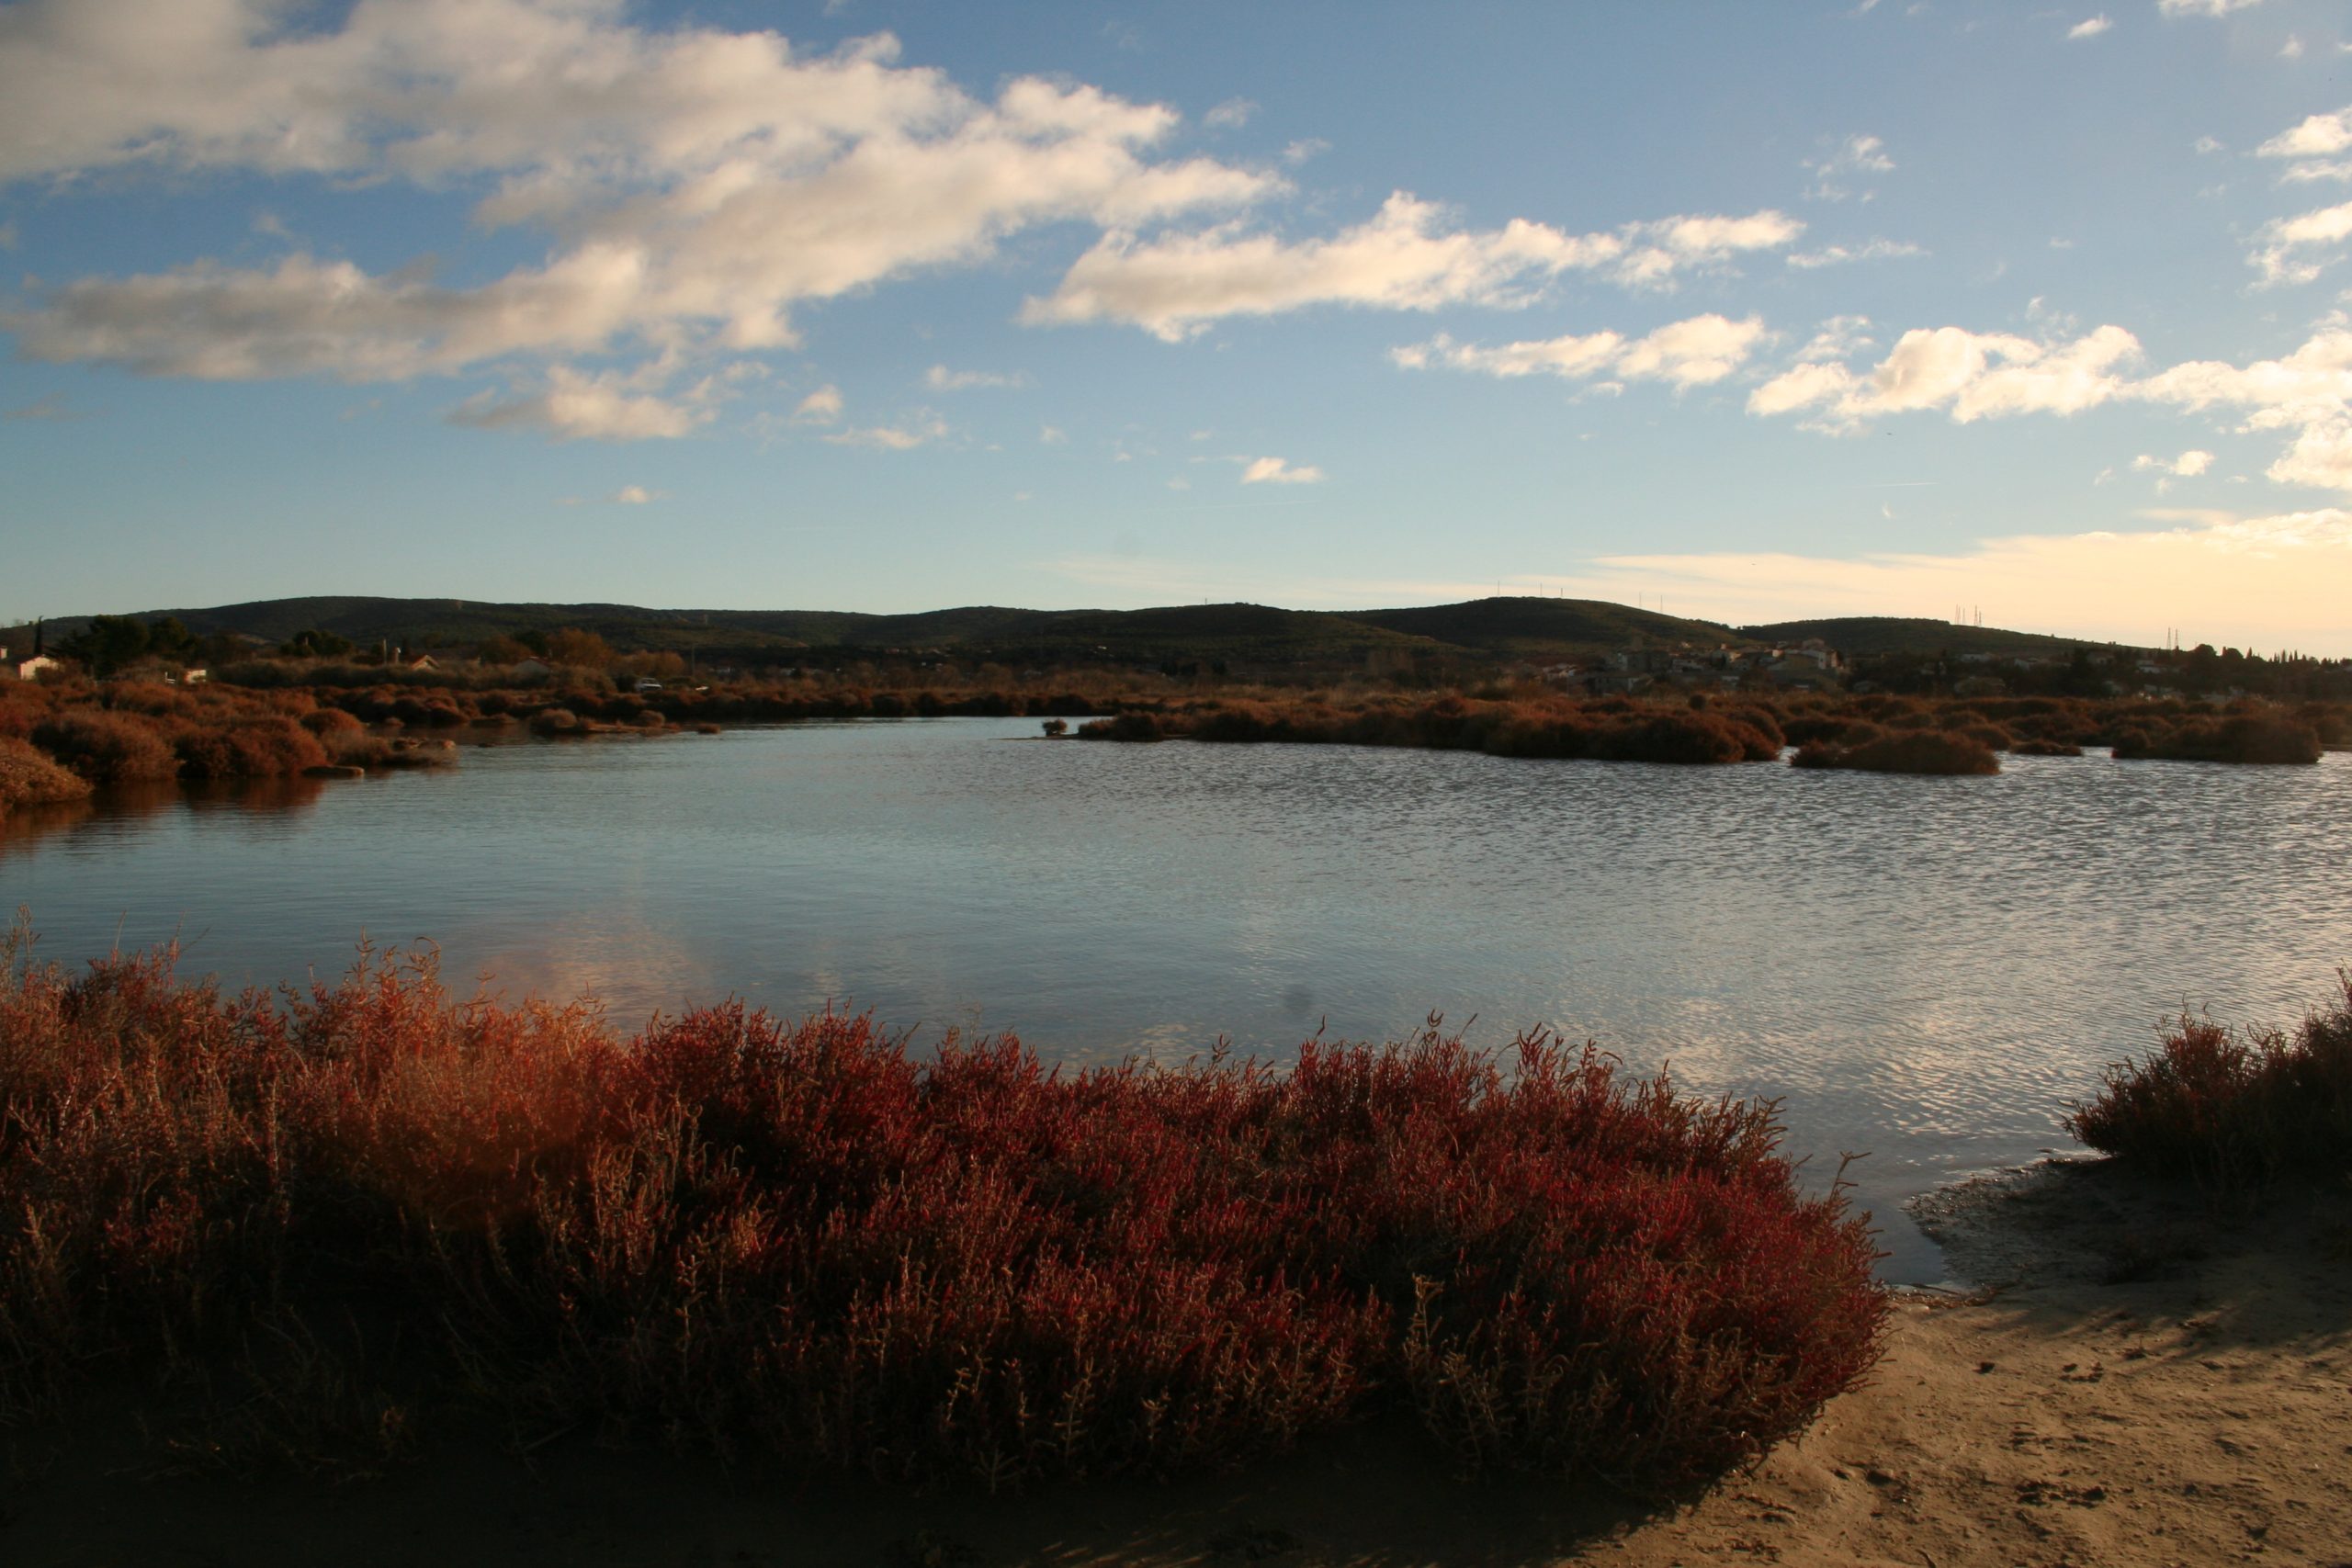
[{"x": 1479, "y": 630}]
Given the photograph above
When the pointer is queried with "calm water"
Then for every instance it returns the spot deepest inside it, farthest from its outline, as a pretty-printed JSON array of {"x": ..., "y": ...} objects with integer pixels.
[{"x": 1926, "y": 969}]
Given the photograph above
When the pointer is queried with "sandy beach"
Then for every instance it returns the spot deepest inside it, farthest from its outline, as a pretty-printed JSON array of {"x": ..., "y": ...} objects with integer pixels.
[{"x": 2138, "y": 1377}]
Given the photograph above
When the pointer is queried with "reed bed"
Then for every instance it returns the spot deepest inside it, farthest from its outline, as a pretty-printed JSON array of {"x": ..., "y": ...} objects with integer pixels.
[{"x": 804, "y": 1241}]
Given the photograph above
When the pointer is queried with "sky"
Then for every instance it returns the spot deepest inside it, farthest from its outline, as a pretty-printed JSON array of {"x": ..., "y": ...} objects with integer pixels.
[{"x": 2036, "y": 315}]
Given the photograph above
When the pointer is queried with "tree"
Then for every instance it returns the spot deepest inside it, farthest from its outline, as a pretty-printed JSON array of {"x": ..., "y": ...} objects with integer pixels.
[
  {"x": 312, "y": 643},
  {"x": 501, "y": 650},
  {"x": 168, "y": 638},
  {"x": 107, "y": 643},
  {"x": 570, "y": 645}
]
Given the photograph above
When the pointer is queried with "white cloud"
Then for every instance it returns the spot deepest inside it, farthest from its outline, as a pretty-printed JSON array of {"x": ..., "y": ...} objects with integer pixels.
[
  {"x": 1839, "y": 337},
  {"x": 1974, "y": 376},
  {"x": 2319, "y": 135},
  {"x": 1306, "y": 147},
  {"x": 1052, "y": 436},
  {"x": 1833, "y": 173},
  {"x": 2091, "y": 26},
  {"x": 2188, "y": 465},
  {"x": 2204, "y": 7},
  {"x": 634, "y": 495},
  {"x": 942, "y": 379},
  {"x": 1276, "y": 471},
  {"x": 1230, "y": 115},
  {"x": 820, "y": 407},
  {"x": 1838, "y": 256},
  {"x": 2314, "y": 169},
  {"x": 1697, "y": 352},
  {"x": 574, "y": 405},
  {"x": 2208, "y": 144},
  {"x": 1402, "y": 259},
  {"x": 702, "y": 183},
  {"x": 891, "y": 437},
  {"x": 2292, "y": 250}
]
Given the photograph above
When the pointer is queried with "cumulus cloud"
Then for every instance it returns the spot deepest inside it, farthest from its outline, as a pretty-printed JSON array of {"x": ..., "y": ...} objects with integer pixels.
[
  {"x": 2307, "y": 392},
  {"x": 1276, "y": 471},
  {"x": 2188, "y": 465},
  {"x": 1404, "y": 258},
  {"x": 2296, "y": 250},
  {"x": 2319, "y": 135},
  {"x": 702, "y": 183},
  {"x": 939, "y": 378},
  {"x": 1697, "y": 352},
  {"x": 2091, "y": 26},
  {"x": 1973, "y": 375},
  {"x": 1230, "y": 115}
]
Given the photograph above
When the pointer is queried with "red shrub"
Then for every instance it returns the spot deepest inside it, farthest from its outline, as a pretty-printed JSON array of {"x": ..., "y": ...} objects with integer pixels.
[
  {"x": 2231, "y": 1109},
  {"x": 2240, "y": 737},
  {"x": 28, "y": 778},
  {"x": 107, "y": 748},
  {"x": 1905, "y": 751},
  {"x": 255, "y": 748},
  {"x": 736, "y": 1231}
]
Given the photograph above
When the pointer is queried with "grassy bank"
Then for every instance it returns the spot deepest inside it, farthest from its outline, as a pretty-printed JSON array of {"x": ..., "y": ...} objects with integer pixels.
[{"x": 313, "y": 1225}]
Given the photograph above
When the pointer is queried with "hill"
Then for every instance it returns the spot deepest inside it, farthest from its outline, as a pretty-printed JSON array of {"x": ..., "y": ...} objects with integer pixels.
[
  {"x": 1867, "y": 636},
  {"x": 1529, "y": 627},
  {"x": 1244, "y": 636}
]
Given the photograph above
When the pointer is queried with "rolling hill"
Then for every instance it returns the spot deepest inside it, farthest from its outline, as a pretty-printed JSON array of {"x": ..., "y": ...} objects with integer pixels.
[{"x": 1244, "y": 636}]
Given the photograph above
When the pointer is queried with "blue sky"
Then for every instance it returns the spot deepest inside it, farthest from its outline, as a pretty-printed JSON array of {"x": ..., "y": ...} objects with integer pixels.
[{"x": 1745, "y": 312}]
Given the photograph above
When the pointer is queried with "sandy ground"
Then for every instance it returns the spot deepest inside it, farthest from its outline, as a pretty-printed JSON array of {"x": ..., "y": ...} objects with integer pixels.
[{"x": 2140, "y": 1380}]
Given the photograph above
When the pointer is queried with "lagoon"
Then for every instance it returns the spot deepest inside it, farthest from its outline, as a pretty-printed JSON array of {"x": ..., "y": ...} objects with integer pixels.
[{"x": 1924, "y": 969}]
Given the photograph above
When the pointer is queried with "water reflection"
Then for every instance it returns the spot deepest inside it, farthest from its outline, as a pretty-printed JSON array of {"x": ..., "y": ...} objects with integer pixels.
[{"x": 1924, "y": 968}]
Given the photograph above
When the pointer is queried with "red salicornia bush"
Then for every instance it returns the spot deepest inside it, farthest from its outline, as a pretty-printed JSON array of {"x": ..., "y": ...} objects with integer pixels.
[
  {"x": 1905, "y": 751},
  {"x": 744, "y": 1235},
  {"x": 28, "y": 778},
  {"x": 107, "y": 748},
  {"x": 2240, "y": 737},
  {"x": 2233, "y": 1108}
]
